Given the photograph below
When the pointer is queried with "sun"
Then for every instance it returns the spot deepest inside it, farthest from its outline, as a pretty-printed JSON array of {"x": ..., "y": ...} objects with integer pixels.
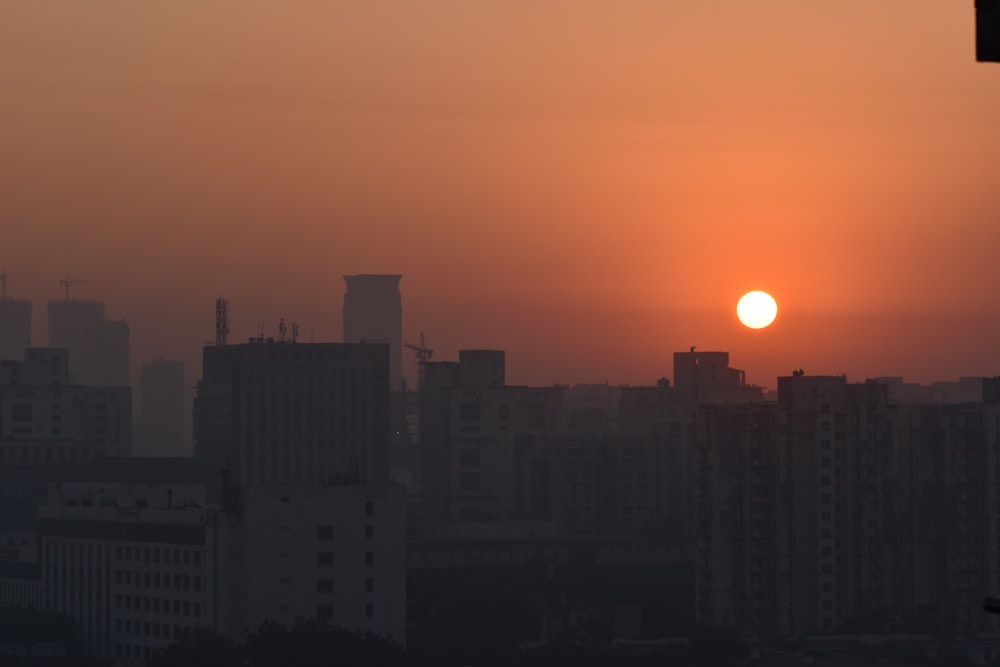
[{"x": 757, "y": 309}]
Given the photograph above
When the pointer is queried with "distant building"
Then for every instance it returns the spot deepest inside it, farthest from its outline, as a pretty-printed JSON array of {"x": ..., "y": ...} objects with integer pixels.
[
  {"x": 705, "y": 377},
  {"x": 163, "y": 411},
  {"x": 589, "y": 459},
  {"x": 163, "y": 559},
  {"x": 45, "y": 418},
  {"x": 336, "y": 553},
  {"x": 834, "y": 510},
  {"x": 964, "y": 390},
  {"x": 99, "y": 347},
  {"x": 15, "y": 328},
  {"x": 373, "y": 312},
  {"x": 155, "y": 559},
  {"x": 283, "y": 413}
]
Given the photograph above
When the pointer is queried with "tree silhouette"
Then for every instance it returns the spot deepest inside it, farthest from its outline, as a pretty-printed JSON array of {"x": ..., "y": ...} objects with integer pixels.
[
  {"x": 201, "y": 647},
  {"x": 30, "y": 628}
]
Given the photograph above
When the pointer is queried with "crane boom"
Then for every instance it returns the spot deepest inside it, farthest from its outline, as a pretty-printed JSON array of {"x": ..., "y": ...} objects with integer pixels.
[{"x": 66, "y": 282}]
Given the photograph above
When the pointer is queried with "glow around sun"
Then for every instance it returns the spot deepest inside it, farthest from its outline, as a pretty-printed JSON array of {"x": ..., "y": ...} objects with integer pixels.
[{"x": 757, "y": 309}]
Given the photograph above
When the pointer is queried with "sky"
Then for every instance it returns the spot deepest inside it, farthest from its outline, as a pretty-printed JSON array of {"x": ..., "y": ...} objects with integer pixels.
[{"x": 588, "y": 185}]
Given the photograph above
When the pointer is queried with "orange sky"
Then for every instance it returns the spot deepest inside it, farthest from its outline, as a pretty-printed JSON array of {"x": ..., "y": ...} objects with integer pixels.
[{"x": 590, "y": 185}]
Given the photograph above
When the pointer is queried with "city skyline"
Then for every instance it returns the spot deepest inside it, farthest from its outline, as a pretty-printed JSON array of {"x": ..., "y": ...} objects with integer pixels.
[
  {"x": 602, "y": 182},
  {"x": 881, "y": 354}
]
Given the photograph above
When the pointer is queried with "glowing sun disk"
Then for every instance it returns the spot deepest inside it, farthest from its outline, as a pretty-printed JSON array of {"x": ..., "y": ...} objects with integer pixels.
[{"x": 757, "y": 309}]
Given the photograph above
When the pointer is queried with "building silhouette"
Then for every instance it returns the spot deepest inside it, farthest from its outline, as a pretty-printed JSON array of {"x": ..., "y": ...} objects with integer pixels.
[
  {"x": 163, "y": 558},
  {"x": 836, "y": 511},
  {"x": 289, "y": 413},
  {"x": 15, "y": 328},
  {"x": 706, "y": 377},
  {"x": 162, "y": 409},
  {"x": 49, "y": 419},
  {"x": 373, "y": 312},
  {"x": 99, "y": 347}
]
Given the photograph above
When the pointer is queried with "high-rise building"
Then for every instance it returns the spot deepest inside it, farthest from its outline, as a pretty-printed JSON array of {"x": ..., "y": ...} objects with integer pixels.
[
  {"x": 836, "y": 511},
  {"x": 162, "y": 415},
  {"x": 373, "y": 312},
  {"x": 705, "y": 377},
  {"x": 136, "y": 565},
  {"x": 15, "y": 328},
  {"x": 45, "y": 419},
  {"x": 99, "y": 347},
  {"x": 295, "y": 413}
]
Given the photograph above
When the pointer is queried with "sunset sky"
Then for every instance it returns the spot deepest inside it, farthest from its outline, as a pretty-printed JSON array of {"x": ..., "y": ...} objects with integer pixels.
[{"x": 589, "y": 185}]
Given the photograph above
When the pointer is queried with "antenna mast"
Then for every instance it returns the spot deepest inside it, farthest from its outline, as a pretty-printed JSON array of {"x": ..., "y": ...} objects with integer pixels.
[
  {"x": 3, "y": 283},
  {"x": 221, "y": 322}
]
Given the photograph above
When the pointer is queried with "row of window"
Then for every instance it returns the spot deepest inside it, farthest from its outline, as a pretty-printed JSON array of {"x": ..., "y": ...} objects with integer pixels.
[
  {"x": 177, "y": 582},
  {"x": 325, "y": 558},
  {"x": 325, "y": 611},
  {"x": 158, "y": 555},
  {"x": 158, "y": 605},
  {"x": 42, "y": 453},
  {"x": 325, "y": 586},
  {"x": 325, "y": 533},
  {"x": 148, "y": 629}
]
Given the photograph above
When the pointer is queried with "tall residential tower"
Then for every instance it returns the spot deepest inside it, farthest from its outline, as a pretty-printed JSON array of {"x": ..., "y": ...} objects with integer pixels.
[
  {"x": 373, "y": 312},
  {"x": 15, "y": 324},
  {"x": 98, "y": 347}
]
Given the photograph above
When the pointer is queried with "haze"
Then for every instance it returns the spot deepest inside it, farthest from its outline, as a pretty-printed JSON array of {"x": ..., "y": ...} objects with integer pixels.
[{"x": 588, "y": 185}]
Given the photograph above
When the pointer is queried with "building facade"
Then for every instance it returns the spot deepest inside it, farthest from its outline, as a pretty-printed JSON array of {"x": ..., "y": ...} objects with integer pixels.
[
  {"x": 45, "y": 419},
  {"x": 373, "y": 312},
  {"x": 99, "y": 347},
  {"x": 15, "y": 328},
  {"x": 836, "y": 511},
  {"x": 162, "y": 414},
  {"x": 136, "y": 565},
  {"x": 291, "y": 414}
]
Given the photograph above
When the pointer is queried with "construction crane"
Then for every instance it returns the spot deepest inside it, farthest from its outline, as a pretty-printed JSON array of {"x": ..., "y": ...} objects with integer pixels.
[
  {"x": 66, "y": 282},
  {"x": 424, "y": 355}
]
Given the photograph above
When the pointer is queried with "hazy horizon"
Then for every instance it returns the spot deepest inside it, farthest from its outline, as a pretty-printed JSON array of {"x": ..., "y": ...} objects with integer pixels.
[{"x": 590, "y": 188}]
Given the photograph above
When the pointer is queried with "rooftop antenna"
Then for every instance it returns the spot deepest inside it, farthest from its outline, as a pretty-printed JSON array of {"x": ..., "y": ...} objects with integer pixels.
[
  {"x": 221, "y": 322},
  {"x": 3, "y": 283},
  {"x": 282, "y": 330},
  {"x": 295, "y": 332},
  {"x": 66, "y": 282}
]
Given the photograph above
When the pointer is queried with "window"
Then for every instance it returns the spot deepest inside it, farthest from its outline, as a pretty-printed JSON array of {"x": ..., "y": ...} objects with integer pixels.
[
  {"x": 324, "y": 559},
  {"x": 369, "y": 532},
  {"x": 369, "y": 610},
  {"x": 369, "y": 558},
  {"x": 369, "y": 585},
  {"x": 469, "y": 481},
  {"x": 324, "y": 611},
  {"x": 324, "y": 533},
  {"x": 369, "y": 508},
  {"x": 324, "y": 586}
]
